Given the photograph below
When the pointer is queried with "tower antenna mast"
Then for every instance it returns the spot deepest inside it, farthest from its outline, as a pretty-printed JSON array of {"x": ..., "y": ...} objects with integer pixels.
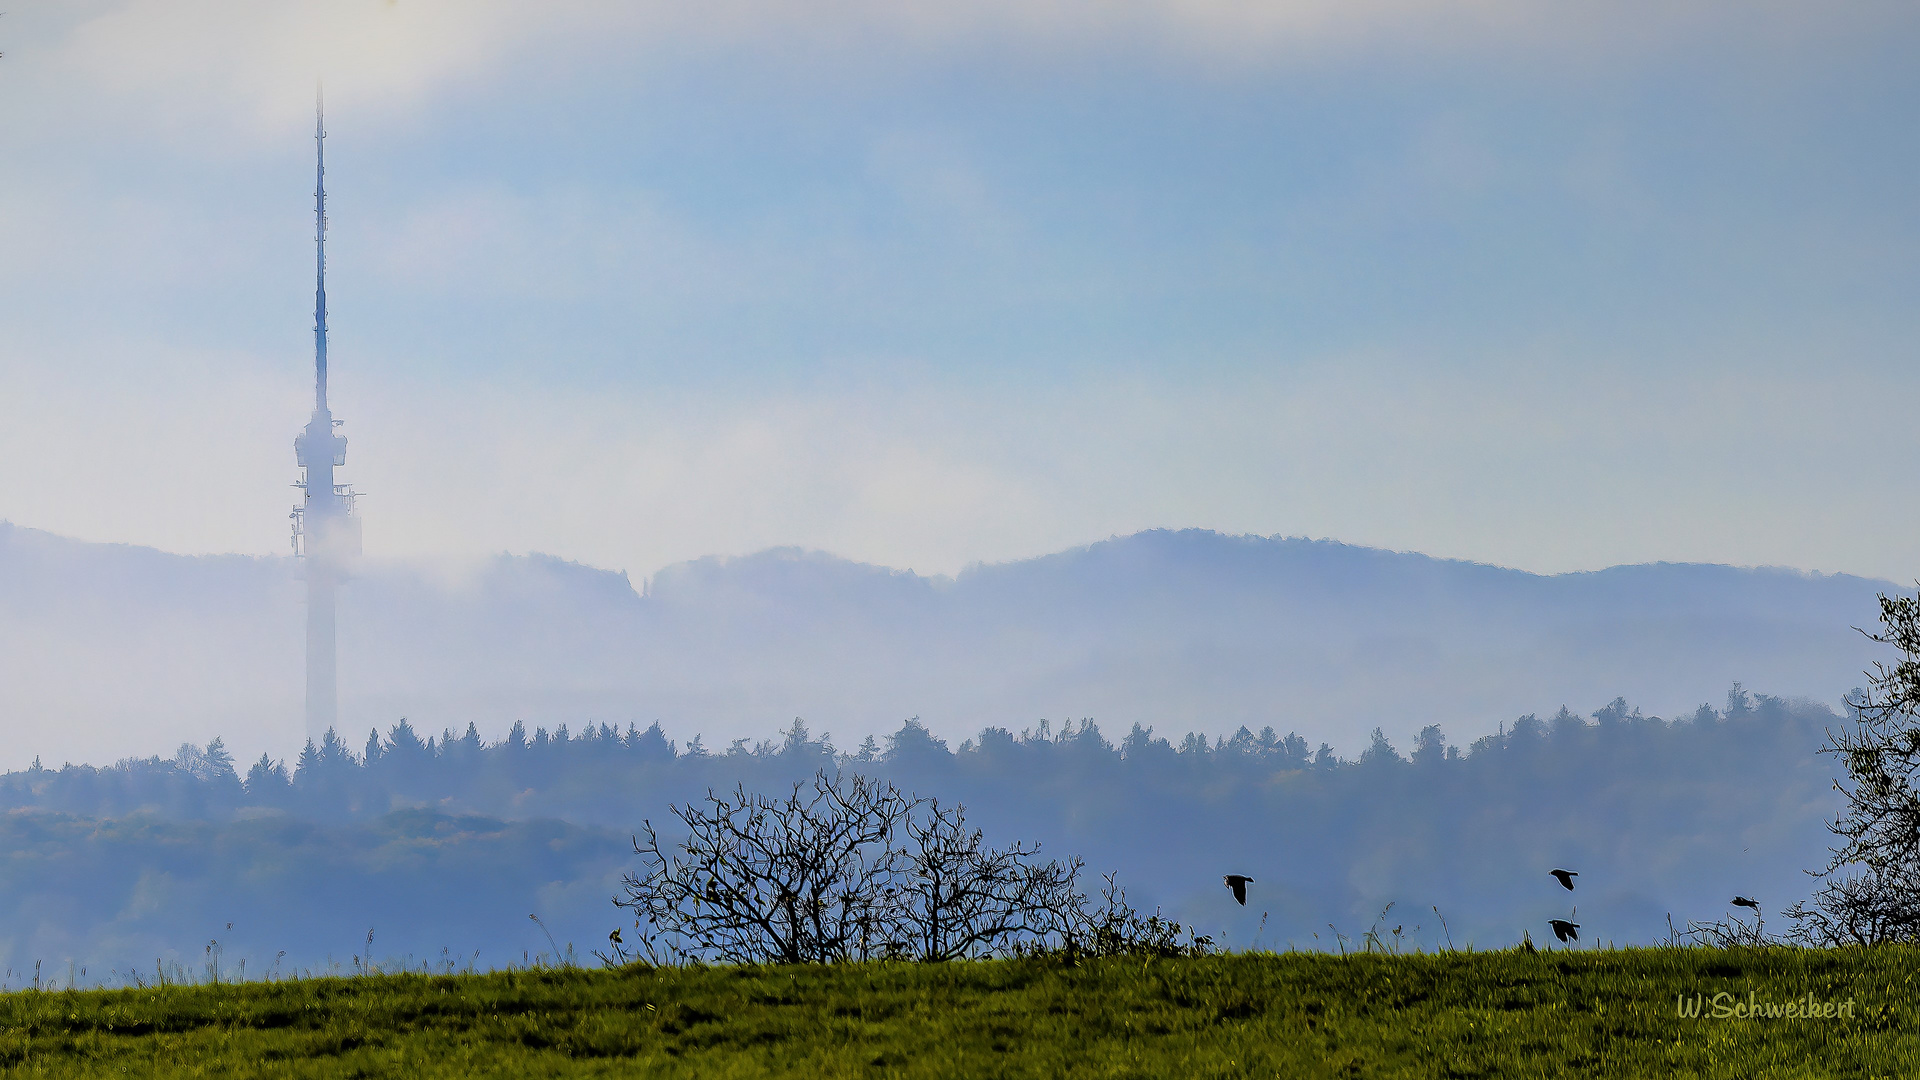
[
  {"x": 319, "y": 251},
  {"x": 326, "y": 531}
]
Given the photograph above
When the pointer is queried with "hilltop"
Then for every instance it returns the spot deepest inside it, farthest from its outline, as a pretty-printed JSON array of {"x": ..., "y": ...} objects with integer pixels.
[
  {"x": 116, "y": 650},
  {"x": 1610, "y": 1013}
]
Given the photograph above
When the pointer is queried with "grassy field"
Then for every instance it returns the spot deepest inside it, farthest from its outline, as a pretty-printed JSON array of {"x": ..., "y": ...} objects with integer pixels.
[{"x": 1609, "y": 1013}]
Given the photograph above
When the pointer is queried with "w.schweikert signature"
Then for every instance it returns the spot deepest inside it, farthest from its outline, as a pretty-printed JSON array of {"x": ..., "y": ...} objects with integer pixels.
[{"x": 1726, "y": 1006}]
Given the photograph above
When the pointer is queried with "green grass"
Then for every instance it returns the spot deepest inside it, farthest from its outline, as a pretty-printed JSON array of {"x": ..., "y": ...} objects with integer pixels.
[{"x": 1606, "y": 1013}]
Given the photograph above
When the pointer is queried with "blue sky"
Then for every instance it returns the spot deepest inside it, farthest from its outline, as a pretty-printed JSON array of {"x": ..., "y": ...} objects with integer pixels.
[{"x": 1553, "y": 286}]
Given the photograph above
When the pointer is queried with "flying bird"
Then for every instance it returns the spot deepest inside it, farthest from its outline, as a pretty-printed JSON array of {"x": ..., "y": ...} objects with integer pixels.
[
  {"x": 1566, "y": 877},
  {"x": 1564, "y": 930},
  {"x": 1743, "y": 901},
  {"x": 1238, "y": 883}
]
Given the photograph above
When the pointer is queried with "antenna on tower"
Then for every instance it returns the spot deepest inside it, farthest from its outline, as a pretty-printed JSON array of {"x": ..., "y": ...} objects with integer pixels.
[{"x": 319, "y": 249}]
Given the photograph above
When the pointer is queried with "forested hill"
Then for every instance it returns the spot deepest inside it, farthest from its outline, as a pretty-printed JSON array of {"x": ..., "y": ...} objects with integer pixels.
[
  {"x": 451, "y": 841},
  {"x": 113, "y": 650}
]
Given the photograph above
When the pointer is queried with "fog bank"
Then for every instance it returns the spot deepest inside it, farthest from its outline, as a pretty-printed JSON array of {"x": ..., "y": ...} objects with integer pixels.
[{"x": 110, "y": 650}]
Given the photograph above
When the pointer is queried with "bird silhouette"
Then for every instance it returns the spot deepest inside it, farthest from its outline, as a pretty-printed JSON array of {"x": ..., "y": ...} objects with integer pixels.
[
  {"x": 1742, "y": 901},
  {"x": 1238, "y": 883},
  {"x": 1566, "y": 877},
  {"x": 613, "y": 937},
  {"x": 1564, "y": 930}
]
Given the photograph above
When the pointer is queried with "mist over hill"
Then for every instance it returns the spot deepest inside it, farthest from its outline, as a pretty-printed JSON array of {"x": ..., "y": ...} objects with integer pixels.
[
  {"x": 1216, "y": 669},
  {"x": 112, "y": 650}
]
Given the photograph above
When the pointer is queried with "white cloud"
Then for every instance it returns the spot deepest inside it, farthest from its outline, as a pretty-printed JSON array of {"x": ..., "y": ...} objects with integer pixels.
[
  {"x": 1540, "y": 462},
  {"x": 260, "y": 60},
  {"x": 191, "y": 66},
  {"x": 1584, "y": 467}
]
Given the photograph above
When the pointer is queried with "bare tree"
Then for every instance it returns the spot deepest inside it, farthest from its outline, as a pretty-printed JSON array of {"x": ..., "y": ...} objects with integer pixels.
[
  {"x": 1871, "y": 886},
  {"x": 961, "y": 898},
  {"x": 803, "y": 879},
  {"x": 852, "y": 869}
]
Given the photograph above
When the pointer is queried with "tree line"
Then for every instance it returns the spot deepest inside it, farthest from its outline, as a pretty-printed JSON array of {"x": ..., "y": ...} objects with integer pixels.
[
  {"x": 580, "y": 770},
  {"x": 1661, "y": 816}
]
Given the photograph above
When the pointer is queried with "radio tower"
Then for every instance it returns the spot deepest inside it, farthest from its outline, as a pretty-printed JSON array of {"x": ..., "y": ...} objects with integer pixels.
[{"x": 326, "y": 532}]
